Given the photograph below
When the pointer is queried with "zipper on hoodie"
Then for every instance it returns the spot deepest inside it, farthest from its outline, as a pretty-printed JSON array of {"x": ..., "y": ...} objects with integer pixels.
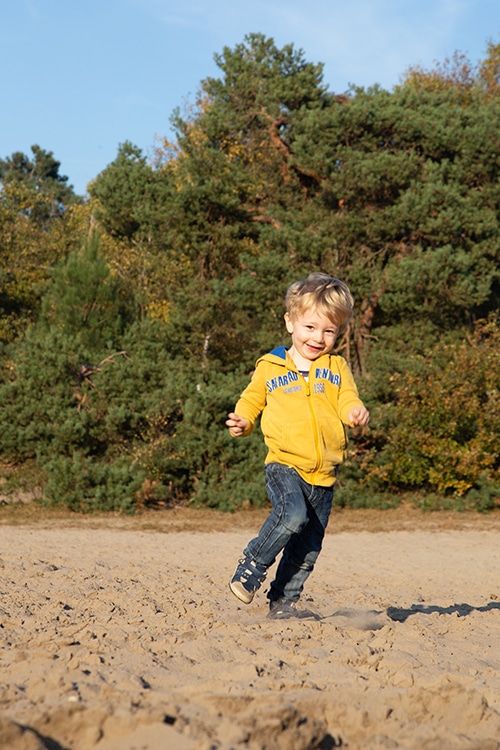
[{"x": 318, "y": 451}]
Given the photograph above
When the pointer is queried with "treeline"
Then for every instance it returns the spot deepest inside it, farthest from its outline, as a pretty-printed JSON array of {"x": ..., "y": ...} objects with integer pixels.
[{"x": 131, "y": 320}]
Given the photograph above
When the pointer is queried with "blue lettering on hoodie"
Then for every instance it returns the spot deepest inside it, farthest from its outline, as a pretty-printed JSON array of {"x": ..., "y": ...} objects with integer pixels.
[
  {"x": 324, "y": 373},
  {"x": 281, "y": 380}
]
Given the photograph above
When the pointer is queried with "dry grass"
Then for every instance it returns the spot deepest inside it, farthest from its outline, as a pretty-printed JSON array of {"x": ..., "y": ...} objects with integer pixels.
[{"x": 171, "y": 520}]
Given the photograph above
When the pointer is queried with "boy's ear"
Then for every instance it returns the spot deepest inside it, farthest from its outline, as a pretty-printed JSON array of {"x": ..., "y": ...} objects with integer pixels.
[{"x": 289, "y": 323}]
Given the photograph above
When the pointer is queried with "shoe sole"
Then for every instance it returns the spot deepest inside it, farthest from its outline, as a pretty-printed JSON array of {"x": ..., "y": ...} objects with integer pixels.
[
  {"x": 293, "y": 614},
  {"x": 240, "y": 593}
]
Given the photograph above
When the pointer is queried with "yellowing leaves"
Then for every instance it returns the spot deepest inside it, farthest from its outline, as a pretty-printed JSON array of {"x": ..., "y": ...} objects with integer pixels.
[
  {"x": 158, "y": 310},
  {"x": 459, "y": 74},
  {"x": 443, "y": 430}
]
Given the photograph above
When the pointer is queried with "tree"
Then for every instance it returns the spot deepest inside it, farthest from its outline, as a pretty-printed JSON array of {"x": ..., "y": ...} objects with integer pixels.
[
  {"x": 36, "y": 230},
  {"x": 489, "y": 72},
  {"x": 413, "y": 205},
  {"x": 272, "y": 177},
  {"x": 122, "y": 192},
  {"x": 47, "y": 414},
  {"x": 460, "y": 75},
  {"x": 41, "y": 176},
  {"x": 86, "y": 303},
  {"x": 242, "y": 204}
]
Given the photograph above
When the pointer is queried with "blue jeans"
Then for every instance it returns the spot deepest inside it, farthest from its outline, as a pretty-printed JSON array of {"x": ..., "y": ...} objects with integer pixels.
[{"x": 296, "y": 525}]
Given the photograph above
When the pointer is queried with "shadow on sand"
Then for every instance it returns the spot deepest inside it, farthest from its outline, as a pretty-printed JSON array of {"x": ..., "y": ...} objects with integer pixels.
[{"x": 397, "y": 614}]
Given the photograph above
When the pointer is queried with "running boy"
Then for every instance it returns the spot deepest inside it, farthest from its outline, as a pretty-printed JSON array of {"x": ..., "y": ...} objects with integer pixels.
[{"x": 306, "y": 395}]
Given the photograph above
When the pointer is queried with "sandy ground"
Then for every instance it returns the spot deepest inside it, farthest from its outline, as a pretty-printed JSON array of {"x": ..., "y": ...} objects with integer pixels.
[{"x": 122, "y": 634}]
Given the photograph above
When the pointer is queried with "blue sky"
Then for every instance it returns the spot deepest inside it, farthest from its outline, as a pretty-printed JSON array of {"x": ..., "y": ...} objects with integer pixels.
[{"x": 80, "y": 78}]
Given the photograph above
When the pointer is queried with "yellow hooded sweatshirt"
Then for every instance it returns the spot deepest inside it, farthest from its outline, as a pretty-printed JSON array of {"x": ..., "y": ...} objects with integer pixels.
[{"x": 303, "y": 420}]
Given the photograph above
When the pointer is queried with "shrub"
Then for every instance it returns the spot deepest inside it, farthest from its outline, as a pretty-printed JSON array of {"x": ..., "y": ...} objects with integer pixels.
[
  {"x": 80, "y": 483},
  {"x": 442, "y": 433}
]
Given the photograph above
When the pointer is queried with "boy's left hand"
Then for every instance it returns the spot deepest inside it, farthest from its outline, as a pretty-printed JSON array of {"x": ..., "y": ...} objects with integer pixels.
[{"x": 359, "y": 416}]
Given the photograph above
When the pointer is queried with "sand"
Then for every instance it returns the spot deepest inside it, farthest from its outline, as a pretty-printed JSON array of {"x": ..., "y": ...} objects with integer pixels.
[{"x": 122, "y": 634}]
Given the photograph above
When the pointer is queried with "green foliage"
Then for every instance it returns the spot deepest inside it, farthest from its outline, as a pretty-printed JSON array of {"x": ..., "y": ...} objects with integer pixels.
[
  {"x": 41, "y": 221},
  {"x": 189, "y": 456},
  {"x": 416, "y": 211},
  {"x": 442, "y": 431},
  {"x": 227, "y": 473},
  {"x": 46, "y": 412},
  {"x": 149, "y": 330},
  {"x": 81, "y": 423},
  {"x": 482, "y": 497},
  {"x": 81, "y": 484},
  {"x": 41, "y": 176},
  {"x": 138, "y": 428},
  {"x": 353, "y": 490},
  {"x": 85, "y": 302},
  {"x": 127, "y": 194}
]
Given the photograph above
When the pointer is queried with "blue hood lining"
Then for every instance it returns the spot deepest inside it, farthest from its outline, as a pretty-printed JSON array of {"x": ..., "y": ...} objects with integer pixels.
[{"x": 280, "y": 351}]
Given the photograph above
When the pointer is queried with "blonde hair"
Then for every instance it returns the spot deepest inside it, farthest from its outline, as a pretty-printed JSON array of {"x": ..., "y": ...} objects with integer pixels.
[{"x": 323, "y": 293}]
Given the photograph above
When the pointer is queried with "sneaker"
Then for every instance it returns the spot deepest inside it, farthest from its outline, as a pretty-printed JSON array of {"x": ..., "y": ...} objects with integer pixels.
[
  {"x": 284, "y": 609},
  {"x": 247, "y": 578}
]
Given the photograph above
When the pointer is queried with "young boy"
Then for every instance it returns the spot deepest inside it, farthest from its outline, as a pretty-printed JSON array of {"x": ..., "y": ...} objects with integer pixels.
[{"x": 306, "y": 395}]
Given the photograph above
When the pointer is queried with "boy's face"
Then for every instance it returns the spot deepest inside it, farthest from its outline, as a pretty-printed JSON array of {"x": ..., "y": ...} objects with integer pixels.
[{"x": 313, "y": 334}]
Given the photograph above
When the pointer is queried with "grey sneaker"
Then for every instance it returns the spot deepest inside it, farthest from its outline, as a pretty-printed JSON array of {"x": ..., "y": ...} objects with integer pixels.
[
  {"x": 284, "y": 609},
  {"x": 247, "y": 578}
]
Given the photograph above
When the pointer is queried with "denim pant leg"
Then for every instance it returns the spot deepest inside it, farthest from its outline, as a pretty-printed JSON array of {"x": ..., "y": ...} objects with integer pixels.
[
  {"x": 302, "y": 549},
  {"x": 287, "y": 518}
]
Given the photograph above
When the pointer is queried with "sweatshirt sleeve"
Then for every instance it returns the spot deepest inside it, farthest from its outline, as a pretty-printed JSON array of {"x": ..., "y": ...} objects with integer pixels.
[
  {"x": 348, "y": 394},
  {"x": 253, "y": 399}
]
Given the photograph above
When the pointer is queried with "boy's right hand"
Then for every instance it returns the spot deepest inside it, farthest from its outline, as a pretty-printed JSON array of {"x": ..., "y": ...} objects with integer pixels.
[{"x": 237, "y": 425}]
